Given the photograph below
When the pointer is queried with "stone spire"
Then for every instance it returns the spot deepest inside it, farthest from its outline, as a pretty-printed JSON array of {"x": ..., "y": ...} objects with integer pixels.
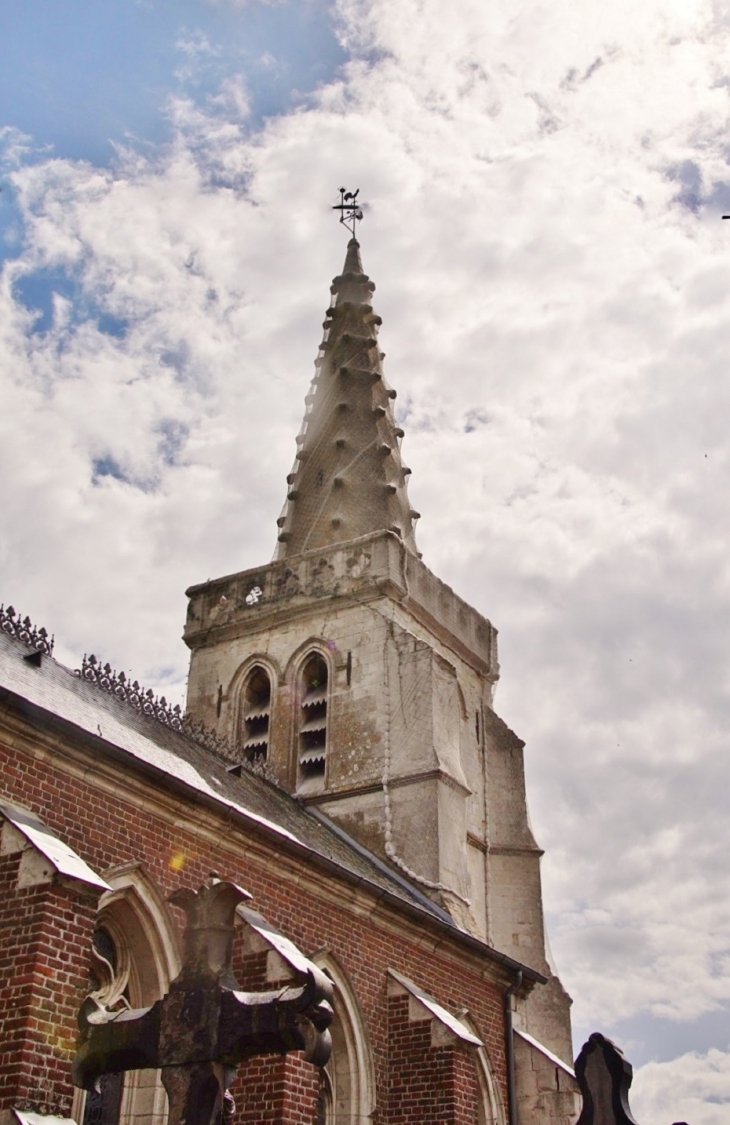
[{"x": 348, "y": 478}]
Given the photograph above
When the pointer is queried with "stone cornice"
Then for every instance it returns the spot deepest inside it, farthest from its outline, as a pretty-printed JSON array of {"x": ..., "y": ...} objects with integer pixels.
[
  {"x": 393, "y": 783},
  {"x": 366, "y": 569}
]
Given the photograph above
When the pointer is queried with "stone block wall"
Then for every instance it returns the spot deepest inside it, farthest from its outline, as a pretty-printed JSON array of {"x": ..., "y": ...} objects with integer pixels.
[
  {"x": 546, "y": 1093},
  {"x": 412, "y": 672},
  {"x": 408, "y": 701}
]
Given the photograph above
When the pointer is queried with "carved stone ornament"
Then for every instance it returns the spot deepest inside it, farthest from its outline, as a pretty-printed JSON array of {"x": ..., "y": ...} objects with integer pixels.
[
  {"x": 604, "y": 1077},
  {"x": 205, "y": 1026},
  {"x": 111, "y": 971}
]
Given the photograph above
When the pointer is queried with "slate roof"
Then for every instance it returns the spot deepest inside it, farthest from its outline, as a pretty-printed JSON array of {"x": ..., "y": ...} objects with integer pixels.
[{"x": 51, "y": 696}]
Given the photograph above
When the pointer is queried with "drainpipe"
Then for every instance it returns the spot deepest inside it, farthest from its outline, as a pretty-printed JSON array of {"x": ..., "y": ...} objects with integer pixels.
[{"x": 510, "y": 1049}]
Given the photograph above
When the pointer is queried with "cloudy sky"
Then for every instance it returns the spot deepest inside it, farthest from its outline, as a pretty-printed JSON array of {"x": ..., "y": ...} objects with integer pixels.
[{"x": 545, "y": 186}]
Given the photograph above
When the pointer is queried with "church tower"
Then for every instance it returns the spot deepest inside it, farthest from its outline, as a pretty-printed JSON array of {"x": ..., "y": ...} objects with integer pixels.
[{"x": 361, "y": 683}]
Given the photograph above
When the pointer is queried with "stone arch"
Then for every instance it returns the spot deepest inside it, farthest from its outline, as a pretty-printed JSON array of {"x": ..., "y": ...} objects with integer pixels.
[
  {"x": 349, "y": 1077},
  {"x": 136, "y": 908},
  {"x": 300, "y": 654},
  {"x": 146, "y": 957},
  {"x": 490, "y": 1107},
  {"x": 255, "y": 692},
  {"x": 462, "y": 701},
  {"x": 240, "y": 712},
  {"x": 310, "y": 675}
]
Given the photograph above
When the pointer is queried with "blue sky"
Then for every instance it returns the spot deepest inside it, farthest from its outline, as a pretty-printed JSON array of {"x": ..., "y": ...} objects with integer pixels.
[
  {"x": 545, "y": 187},
  {"x": 79, "y": 76}
]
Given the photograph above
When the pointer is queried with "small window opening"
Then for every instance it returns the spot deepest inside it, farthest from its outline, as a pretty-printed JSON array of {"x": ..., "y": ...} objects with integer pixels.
[
  {"x": 319, "y": 481},
  {"x": 349, "y": 668},
  {"x": 103, "y": 943},
  {"x": 476, "y": 724},
  {"x": 313, "y": 718},
  {"x": 325, "y": 1100},
  {"x": 103, "y": 1103},
  {"x": 256, "y": 715}
]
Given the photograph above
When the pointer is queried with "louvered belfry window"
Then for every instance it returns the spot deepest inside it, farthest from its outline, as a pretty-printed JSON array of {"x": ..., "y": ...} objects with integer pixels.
[
  {"x": 256, "y": 714},
  {"x": 313, "y": 717}
]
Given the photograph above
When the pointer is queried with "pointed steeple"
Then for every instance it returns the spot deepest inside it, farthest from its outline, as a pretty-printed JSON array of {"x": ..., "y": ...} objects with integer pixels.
[{"x": 348, "y": 478}]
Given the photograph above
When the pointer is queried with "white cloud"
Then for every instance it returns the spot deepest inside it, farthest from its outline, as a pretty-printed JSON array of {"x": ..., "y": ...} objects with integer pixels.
[
  {"x": 197, "y": 53},
  {"x": 694, "y": 1088},
  {"x": 544, "y": 188}
]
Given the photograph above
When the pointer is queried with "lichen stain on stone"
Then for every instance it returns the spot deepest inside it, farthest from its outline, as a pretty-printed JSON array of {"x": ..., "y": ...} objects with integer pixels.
[{"x": 349, "y": 735}]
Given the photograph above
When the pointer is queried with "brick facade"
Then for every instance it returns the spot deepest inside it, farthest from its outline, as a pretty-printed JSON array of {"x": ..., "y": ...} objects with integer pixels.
[
  {"x": 44, "y": 949},
  {"x": 270, "y": 1089},
  {"x": 112, "y": 817},
  {"x": 429, "y": 1083}
]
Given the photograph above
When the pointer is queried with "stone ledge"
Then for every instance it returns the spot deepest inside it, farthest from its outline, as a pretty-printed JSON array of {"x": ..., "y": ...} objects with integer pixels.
[{"x": 372, "y": 566}]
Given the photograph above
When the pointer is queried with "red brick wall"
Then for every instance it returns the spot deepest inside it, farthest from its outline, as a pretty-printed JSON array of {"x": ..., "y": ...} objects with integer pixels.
[
  {"x": 276, "y": 1088},
  {"x": 271, "y": 1088},
  {"x": 427, "y": 1084},
  {"x": 44, "y": 937},
  {"x": 466, "y": 1086},
  {"x": 107, "y": 827}
]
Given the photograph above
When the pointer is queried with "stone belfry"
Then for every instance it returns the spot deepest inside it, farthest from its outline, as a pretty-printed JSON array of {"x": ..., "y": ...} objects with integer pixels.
[{"x": 363, "y": 684}]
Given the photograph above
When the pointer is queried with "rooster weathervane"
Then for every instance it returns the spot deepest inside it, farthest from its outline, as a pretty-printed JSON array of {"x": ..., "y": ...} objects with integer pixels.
[{"x": 350, "y": 210}]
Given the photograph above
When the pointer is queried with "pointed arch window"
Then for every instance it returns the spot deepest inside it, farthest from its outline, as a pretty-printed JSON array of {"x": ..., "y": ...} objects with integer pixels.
[
  {"x": 347, "y": 1083},
  {"x": 134, "y": 957},
  {"x": 110, "y": 971},
  {"x": 313, "y": 717},
  {"x": 256, "y": 714}
]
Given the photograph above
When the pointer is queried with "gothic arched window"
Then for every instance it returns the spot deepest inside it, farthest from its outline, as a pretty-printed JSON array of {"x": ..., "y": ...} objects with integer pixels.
[
  {"x": 490, "y": 1110},
  {"x": 312, "y": 748},
  {"x": 347, "y": 1084},
  {"x": 133, "y": 959},
  {"x": 256, "y": 714},
  {"x": 110, "y": 974}
]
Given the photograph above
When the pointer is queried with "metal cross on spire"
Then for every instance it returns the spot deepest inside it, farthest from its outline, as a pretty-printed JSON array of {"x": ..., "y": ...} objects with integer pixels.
[{"x": 349, "y": 208}]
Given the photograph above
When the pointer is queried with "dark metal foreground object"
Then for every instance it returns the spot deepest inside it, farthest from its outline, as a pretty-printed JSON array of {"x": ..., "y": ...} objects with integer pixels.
[
  {"x": 604, "y": 1077},
  {"x": 205, "y": 1026}
]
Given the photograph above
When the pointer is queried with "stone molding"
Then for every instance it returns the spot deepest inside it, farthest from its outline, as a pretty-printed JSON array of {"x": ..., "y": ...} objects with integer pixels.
[{"x": 365, "y": 569}]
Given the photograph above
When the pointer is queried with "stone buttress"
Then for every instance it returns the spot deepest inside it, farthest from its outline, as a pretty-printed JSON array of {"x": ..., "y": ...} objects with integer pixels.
[{"x": 362, "y": 683}]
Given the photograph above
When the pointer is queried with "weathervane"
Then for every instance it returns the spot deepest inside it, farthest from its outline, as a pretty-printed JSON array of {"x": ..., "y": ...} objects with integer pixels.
[{"x": 349, "y": 208}]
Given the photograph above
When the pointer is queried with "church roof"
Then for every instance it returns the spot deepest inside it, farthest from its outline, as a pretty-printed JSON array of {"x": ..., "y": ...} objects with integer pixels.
[
  {"x": 51, "y": 697},
  {"x": 348, "y": 477}
]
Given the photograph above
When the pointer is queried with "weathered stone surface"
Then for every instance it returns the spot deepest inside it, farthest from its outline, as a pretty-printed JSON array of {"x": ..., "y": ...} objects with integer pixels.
[
  {"x": 604, "y": 1076},
  {"x": 371, "y": 567},
  {"x": 414, "y": 763},
  {"x": 546, "y": 1088},
  {"x": 348, "y": 477},
  {"x": 204, "y": 1027}
]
